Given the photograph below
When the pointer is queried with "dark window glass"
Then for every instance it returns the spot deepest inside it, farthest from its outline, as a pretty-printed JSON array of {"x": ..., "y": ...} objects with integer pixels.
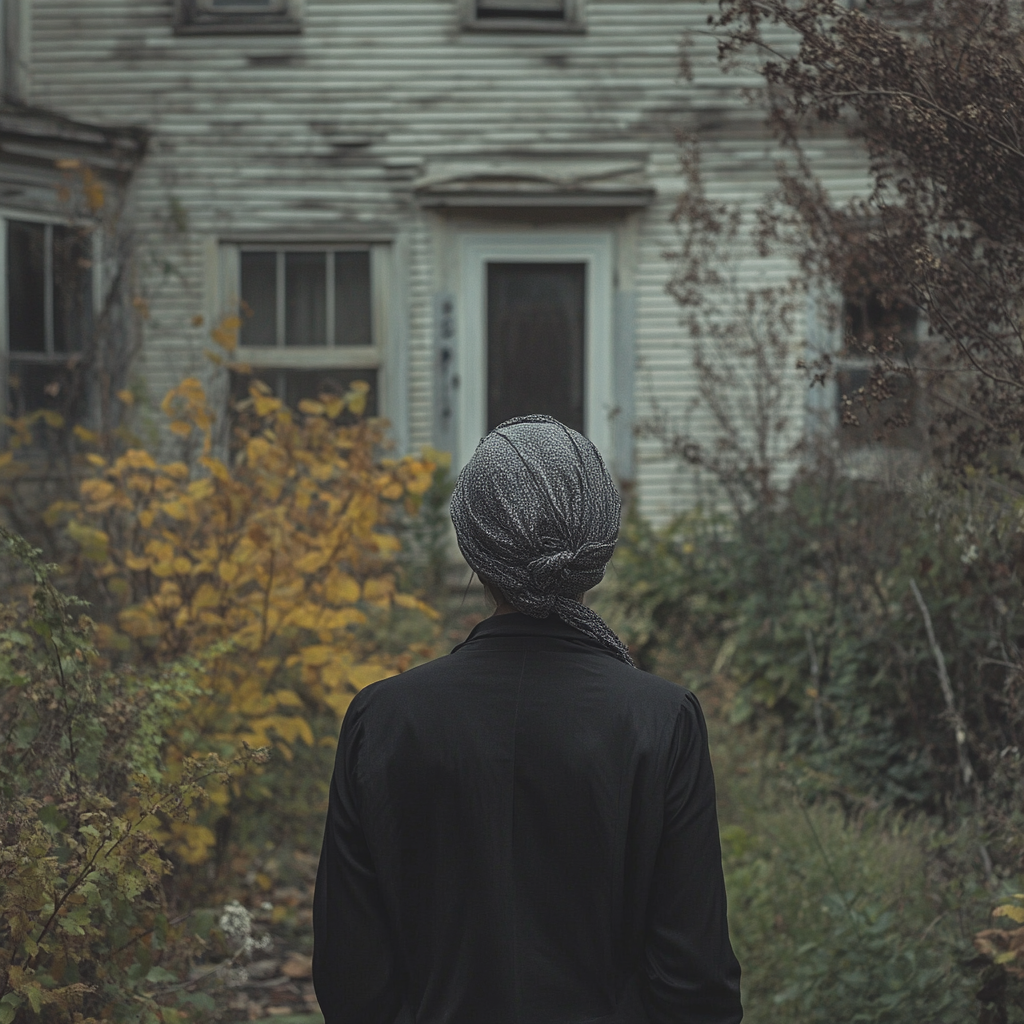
[
  {"x": 305, "y": 298},
  {"x": 352, "y": 308},
  {"x": 552, "y": 10},
  {"x": 72, "y": 289},
  {"x": 868, "y": 324},
  {"x": 57, "y": 386},
  {"x": 26, "y": 287},
  {"x": 892, "y": 421},
  {"x": 259, "y": 299},
  {"x": 535, "y": 341}
]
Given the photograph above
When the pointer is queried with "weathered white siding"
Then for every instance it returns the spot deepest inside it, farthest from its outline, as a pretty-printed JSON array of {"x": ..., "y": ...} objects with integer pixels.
[{"x": 330, "y": 131}]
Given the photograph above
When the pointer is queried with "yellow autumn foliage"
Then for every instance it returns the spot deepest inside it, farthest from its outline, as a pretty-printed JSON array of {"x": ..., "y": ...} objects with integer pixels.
[{"x": 276, "y": 566}]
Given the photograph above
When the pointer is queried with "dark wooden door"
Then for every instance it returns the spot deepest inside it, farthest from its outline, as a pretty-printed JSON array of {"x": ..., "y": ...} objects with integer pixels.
[{"x": 536, "y": 341}]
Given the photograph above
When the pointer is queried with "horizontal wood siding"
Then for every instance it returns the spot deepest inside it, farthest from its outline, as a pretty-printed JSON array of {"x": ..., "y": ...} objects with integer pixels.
[{"x": 329, "y": 130}]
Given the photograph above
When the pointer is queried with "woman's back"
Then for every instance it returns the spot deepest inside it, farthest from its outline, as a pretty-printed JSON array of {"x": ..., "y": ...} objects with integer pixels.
[{"x": 524, "y": 831}]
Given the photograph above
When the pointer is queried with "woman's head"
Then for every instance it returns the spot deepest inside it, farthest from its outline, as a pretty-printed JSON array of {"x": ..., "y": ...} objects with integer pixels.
[{"x": 536, "y": 514}]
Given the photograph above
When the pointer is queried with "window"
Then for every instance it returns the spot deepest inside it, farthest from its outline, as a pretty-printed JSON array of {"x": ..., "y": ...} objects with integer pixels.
[
  {"x": 220, "y": 16},
  {"x": 310, "y": 317},
  {"x": 524, "y": 15},
  {"x": 50, "y": 316},
  {"x": 872, "y": 409}
]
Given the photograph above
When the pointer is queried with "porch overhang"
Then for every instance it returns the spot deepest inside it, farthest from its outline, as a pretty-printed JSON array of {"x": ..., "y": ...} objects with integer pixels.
[{"x": 537, "y": 182}]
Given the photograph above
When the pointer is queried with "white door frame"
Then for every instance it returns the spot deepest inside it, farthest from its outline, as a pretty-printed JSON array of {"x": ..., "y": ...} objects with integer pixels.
[{"x": 477, "y": 249}]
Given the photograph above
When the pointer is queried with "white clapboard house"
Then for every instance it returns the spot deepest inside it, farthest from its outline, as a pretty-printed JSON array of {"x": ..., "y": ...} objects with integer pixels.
[{"x": 466, "y": 203}]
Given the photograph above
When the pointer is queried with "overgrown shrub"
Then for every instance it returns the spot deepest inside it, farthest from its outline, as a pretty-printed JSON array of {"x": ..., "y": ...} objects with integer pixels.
[
  {"x": 85, "y": 794},
  {"x": 818, "y": 610},
  {"x": 837, "y": 917},
  {"x": 277, "y": 567}
]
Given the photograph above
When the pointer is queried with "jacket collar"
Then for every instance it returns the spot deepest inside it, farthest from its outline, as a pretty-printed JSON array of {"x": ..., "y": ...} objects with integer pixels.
[{"x": 519, "y": 626}]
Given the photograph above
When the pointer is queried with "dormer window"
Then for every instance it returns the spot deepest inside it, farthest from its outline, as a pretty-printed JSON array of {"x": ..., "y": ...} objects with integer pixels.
[
  {"x": 524, "y": 15},
  {"x": 238, "y": 16}
]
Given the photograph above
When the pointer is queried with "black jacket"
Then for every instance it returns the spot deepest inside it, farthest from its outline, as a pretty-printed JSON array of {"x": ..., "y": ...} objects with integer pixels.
[{"x": 523, "y": 831}]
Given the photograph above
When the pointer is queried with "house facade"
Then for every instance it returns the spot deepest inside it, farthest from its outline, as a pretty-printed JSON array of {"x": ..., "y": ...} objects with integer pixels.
[{"x": 465, "y": 203}]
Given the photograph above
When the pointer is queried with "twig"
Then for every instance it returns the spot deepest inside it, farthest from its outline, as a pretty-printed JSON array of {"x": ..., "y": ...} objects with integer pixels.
[
  {"x": 819, "y": 722},
  {"x": 959, "y": 729}
]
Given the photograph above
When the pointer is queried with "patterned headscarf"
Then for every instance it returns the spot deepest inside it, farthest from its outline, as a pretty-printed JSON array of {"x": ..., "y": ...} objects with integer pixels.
[{"x": 536, "y": 513}]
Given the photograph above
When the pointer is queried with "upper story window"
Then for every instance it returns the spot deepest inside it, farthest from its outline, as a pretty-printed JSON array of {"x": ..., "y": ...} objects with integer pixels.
[
  {"x": 524, "y": 15},
  {"x": 242, "y": 16},
  {"x": 50, "y": 316},
  {"x": 311, "y": 316}
]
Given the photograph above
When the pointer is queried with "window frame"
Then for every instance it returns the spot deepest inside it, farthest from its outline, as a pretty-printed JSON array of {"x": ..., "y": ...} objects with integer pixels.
[
  {"x": 317, "y": 357},
  {"x": 50, "y": 357},
  {"x": 596, "y": 249},
  {"x": 573, "y": 21},
  {"x": 194, "y": 17}
]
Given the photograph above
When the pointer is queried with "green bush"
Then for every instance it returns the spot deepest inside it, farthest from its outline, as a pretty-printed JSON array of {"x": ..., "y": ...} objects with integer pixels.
[
  {"x": 85, "y": 929},
  {"x": 807, "y": 612},
  {"x": 839, "y": 918}
]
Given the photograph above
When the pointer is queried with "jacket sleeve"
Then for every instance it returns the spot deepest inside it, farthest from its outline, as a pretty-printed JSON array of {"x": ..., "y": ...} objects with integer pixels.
[
  {"x": 690, "y": 974},
  {"x": 354, "y": 970}
]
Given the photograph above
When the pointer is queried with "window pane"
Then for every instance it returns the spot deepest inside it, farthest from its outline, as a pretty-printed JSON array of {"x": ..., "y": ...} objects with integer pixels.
[
  {"x": 241, "y": 6},
  {"x": 56, "y": 386},
  {"x": 535, "y": 341},
  {"x": 26, "y": 286},
  {"x": 520, "y": 8},
  {"x": 352, "y": 306},
  {"x": 892, "y": 422},
  {"x": 72, "y": 289},
  {"x": 259, "y": 299},
  {"x": 305, "y": 298}
]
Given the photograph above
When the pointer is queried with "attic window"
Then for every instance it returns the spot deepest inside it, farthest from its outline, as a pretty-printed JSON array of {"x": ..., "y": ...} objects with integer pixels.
[
  {"x": 237, "y": 16},
  {"x": 524, "y": 15}
]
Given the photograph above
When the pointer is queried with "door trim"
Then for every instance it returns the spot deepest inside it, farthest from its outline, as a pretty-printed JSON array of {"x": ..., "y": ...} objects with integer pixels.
[{"x": 477, "y": 249}]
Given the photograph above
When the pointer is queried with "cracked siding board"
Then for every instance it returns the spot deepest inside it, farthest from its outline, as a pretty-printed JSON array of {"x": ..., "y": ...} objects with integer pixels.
[{"x": 329, "y": 130}]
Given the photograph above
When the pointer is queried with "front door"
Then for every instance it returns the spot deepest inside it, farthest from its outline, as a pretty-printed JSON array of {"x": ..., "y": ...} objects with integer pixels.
[
  {"x": 536, "y": 341},
  {"x": 535, "y": 333}
]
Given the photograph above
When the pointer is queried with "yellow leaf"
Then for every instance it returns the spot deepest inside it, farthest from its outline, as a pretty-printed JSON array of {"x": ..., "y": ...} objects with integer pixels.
[
  {"x": 340, "y": 618},
  {"x": 311, "y": 408},
  {"x": 414, "y": 603},
  {"x": 264, "y": 405},
  {"x": 316, "y": 654},
  {"x": 5, "y": 458},
  {"x": 126, "y": 396},
  {"x": 288, "y": 698},
  {"x": 88, "y": 436},
  {"x": 1010, "y": 911},
  {"x": 181, "y": 427},
  {"x": 96, "y": 460},
  {"x": 136, "y": 563},
  {"x": 52, "y": 418},
  {"x": 228, "y": 571},
  {"x": 175, "y": 509},
  {"x": 1004, "y": 958},
  {"x": 312, "y": 561},
  {"x": 205, "y": 597},
  {"x": 370, "y": 672}
]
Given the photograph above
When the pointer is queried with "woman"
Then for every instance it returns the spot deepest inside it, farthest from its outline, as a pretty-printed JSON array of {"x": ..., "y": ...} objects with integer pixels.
[{"x": 525, "y": 830}]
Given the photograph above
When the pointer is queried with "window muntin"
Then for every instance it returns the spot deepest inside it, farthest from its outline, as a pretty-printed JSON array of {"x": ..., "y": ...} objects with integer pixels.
[
  {"x": 309, "y": 324},
  {"x": 50, "y": 315}
]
